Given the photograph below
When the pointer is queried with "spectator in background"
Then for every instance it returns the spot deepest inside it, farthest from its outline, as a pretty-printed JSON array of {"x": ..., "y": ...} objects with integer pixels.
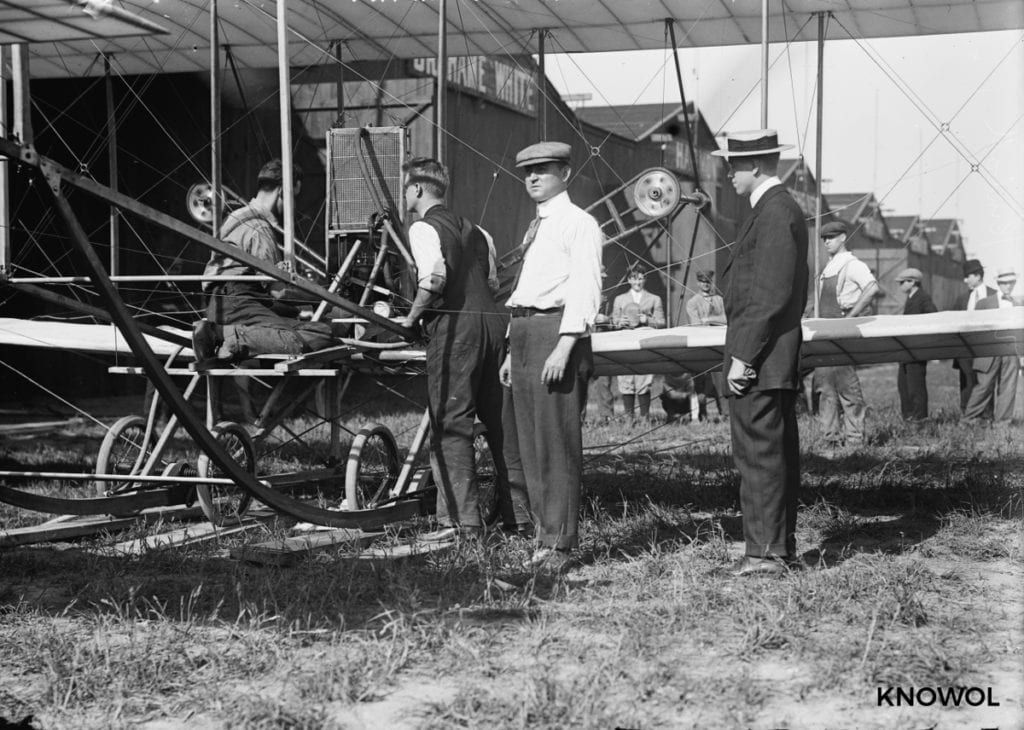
[
  {"x": 974, "y": 277},
  {"x": 995, "y": 391},
  {"x": 637, "y": 308},
  {"x": 706, "y": 308},
  {"x": 910, "y": 381},
  {"x": 601, "y": 385},
  {"x": 846, "y": 287}
]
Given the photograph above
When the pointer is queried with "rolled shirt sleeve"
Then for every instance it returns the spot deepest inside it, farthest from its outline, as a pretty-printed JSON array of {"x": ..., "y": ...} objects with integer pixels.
[{"x": 425, "y": 247}]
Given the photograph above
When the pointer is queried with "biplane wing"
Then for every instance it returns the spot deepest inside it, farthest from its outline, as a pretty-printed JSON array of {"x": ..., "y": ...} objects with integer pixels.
[
  {"x": 408, "y": 29},
  {"x": 94, "y": 338},
  {"x": 859, "y": 341}
]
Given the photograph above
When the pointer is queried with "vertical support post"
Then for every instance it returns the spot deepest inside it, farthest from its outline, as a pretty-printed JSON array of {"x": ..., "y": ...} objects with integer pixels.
[
  {"x": 441, "y": 81},
  {"x": 287, "y": 166},
  {"x": 764, "y": 64},
  {"x": 542, "y": 79},
  {"x": 115, "y": 214},
  {"x": 5, "y": 202},
  {"x": 215, "y": 142},
  {"x": 336, "y": 52},
  {"x": 820, "y": 113},
  {"x": 22, "y": 97}
]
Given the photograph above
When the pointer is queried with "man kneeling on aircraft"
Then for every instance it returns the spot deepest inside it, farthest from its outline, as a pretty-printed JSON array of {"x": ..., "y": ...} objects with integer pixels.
[{"x": 246, "y": 318}]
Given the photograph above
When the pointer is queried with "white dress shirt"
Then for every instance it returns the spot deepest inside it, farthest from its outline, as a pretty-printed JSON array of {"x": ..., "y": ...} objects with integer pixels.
[
  {"x": 562, "y": 267},
  {"x": 763, "y": 188},
  {"x": 425, "y": 247},
  {"x": 852, "y": 277}
]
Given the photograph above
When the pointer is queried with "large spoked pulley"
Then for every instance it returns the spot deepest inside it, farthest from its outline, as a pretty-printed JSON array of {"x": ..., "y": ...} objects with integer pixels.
[{"x": 656, "y": 193}]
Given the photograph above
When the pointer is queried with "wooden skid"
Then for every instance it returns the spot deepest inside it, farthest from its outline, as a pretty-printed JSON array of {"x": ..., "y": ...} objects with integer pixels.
[
  {"x": 190, "y": 535},
  {"x": 288, "y": 550},
  {"x": 70, "y": 529}
]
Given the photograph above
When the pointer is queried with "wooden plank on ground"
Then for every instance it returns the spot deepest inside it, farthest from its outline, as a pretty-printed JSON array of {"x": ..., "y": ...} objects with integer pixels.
[
  {"x": 188, "y": 535},
  {"x": 53, "y": 531},
  {"x": 286, "y": 550},
  {"x": 405, "y": 550}
]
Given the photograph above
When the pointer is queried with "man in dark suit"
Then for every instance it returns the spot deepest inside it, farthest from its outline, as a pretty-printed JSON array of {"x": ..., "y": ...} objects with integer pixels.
[
  {"x": 765, "y": 290},
  {"x": 974, "y": 276},
  {"x": 995, "y": 389},
  {"x": 910, "y": 381}
]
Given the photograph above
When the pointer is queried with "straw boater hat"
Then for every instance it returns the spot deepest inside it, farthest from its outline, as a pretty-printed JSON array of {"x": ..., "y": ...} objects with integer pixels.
[
  {"x": 749, "y": 144},
  {"x": 1006, "y": 276}
]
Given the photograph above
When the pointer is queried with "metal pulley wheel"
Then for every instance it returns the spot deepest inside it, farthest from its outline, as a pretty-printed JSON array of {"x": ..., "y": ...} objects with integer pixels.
[
  {"x": 199, "y": 202},
  {"x": 656, "y": 193}
]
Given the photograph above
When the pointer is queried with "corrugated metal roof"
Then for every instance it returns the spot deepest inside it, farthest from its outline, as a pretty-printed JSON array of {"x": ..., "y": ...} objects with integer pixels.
[{"x": 408, "y": 28}]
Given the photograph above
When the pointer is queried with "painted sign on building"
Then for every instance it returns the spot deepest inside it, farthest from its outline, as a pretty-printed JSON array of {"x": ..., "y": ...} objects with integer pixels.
[{"x": 494, "y": 79}]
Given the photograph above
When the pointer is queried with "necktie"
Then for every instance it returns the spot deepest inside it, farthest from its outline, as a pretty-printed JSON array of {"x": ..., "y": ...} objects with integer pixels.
[{"x": 531, "y": 233}]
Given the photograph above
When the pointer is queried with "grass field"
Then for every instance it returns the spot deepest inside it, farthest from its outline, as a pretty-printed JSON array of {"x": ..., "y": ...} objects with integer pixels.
[{"x": 914, "y": 543}]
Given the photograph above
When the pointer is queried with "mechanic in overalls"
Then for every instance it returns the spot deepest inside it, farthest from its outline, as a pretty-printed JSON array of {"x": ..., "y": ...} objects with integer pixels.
[{"x": 846, "y": 287}]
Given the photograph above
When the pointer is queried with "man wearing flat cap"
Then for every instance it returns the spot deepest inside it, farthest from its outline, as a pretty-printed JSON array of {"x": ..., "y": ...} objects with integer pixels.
[
  {"x": 554, "y": 303},
  {"x": 846, "y": 287},
  {"x": 910, "y": 380},
  {"x": 995, "y": 390},
  {"x": 765, "y": 292},
  {"x": 974, "y": 278},
  {"x": 706, "y": 308}
]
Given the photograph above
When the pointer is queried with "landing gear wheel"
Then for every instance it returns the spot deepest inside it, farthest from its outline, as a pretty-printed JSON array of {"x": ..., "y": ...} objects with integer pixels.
[
  {"x": 226, "y": 503},
  {"x": 124, "y": 451},
  {"x": 181, "y": 469},
  {"x": 486, "y": 476},
  {"x": 372, "y": 468}
]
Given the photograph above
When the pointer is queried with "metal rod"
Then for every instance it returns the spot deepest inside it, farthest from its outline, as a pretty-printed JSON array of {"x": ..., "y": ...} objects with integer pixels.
[
  {"x": 441, "y": 80},
  {"x": 764, "y": 64},
  {"x": 285, "y": 96},
  {"x": 131, "y": 278},
  {"x": 338, "y": 47},
  {"x": 217, "y": 209},
  {"x": 542, "y": 107},
  {"x": 338, "y": 278},
  {"x": 5, "y": 200},
  {"x": 77, "y": 476},
  {"x": 820, "y": 113},
  {"x": 414, "y": 453},
  {"x": 115, "y": 228}
]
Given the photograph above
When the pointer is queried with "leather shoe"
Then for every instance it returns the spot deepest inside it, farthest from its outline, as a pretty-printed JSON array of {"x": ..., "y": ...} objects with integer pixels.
[
  {"x": 749, "y": 565},
  {"x": 522, "y": 530},
  {"x": 552, "y": 561},
  {"x": 449, "y": 534},
  {"x": 204, "y": 341}
]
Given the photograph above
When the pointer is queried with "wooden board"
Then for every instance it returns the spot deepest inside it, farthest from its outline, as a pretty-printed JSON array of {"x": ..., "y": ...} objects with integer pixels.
[
  {"x": 286, "y": 550},
  {"x": 188, "y": 535},
  {"x": 70, "y": 529}
]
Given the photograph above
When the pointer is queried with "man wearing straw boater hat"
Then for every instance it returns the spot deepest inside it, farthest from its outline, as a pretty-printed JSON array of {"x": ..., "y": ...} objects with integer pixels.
[
  {"x": 765, "y": 291},
  {"x": 995, "y": 390},
  {"x": 554, "y": 303},
  {"x": 910, "y": 380}
]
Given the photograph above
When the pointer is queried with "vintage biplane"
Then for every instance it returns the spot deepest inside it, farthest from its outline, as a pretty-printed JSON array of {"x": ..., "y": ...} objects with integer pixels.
[{"x": 80, "y": 38}]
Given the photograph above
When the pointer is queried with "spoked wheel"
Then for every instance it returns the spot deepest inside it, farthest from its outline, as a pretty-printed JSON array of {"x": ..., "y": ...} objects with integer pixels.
[
  {"x": 181, "y": 469},
  {"x": 226, "y": 503},
  {"x": 487, "y": 477},
  {"x": 124, "y": 451},
  {"x": 372, "y": 468}
]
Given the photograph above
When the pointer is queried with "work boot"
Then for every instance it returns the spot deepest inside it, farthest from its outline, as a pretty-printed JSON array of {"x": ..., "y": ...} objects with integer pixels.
[{"x": 205, "y": 341}]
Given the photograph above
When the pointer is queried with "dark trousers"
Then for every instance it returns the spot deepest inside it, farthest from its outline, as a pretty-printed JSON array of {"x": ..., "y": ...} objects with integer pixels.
[
  {"x": 766, "y": 449},
  {"x": 250, "y": 327},
  {"x": 913, "y": 390},
  {"x": 550, "y": 433},
  {"x": 463, "y": 360},
  {"x": 967, "y": 379}
]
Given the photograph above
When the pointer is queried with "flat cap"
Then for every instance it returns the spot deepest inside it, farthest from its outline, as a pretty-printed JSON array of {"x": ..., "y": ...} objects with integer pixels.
[
  {"x": 910, "y": 274},
  {"x": 535, "y": 154},
  {"x": 973, "y": 266},
  {"x": 707, "y": 276},
  {"x": 834, "y": 228}
]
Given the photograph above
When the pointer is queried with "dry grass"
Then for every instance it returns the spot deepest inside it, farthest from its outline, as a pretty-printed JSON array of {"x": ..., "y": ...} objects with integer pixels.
[{"x": 914, "y": 545}]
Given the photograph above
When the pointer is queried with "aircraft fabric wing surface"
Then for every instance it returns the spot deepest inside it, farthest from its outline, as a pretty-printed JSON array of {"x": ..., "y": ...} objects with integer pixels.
[
  {"x": 860, "y": 341},
  {"x": 408, "y": 29},
  {"x": 98, "y": 338}
]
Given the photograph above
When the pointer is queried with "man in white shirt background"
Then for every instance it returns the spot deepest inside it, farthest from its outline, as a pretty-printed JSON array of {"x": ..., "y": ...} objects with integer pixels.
[
  {"x": 846, "y": 287},
  {"x": 637, "y": 308},
  {"x": 553, "y": 304},
  {"x": 995, "y": 391}
]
